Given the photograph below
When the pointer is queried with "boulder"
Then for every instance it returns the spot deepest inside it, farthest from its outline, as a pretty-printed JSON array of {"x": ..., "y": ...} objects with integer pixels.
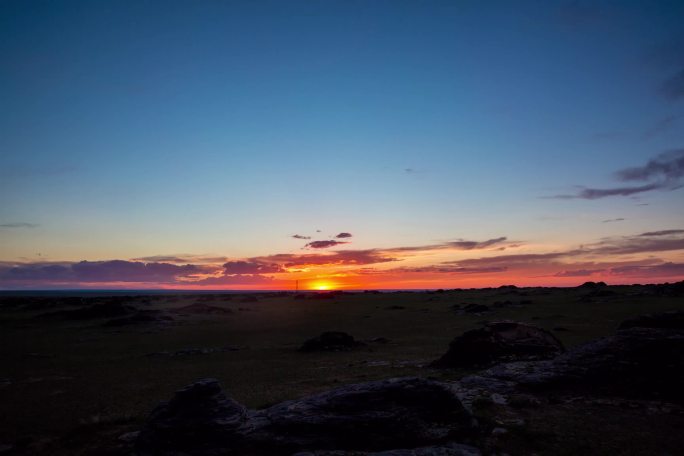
[
  {"x": 204, "y": 309},
  {"x": 199, "y": 420},
  {"x": 331, "y": 341},
  {"x": 452, "y": 449},
  {"x": 643, "y": 363},
  {"x": 497, "y": 342},
  {"x": 665, "y": 320},
  {"x": 374, "y": 416}
]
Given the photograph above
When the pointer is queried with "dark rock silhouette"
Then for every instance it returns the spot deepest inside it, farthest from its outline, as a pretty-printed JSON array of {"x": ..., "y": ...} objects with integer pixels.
[
  {"x": 403, "y": 412},
  {"x": 636, "y": 362},
  {"x": 331, "y": 341},
  {"x": 199, "y": 420},
  {"x": 500, "y": 341},
  {"x": 665, "y": 320},
  {"x": 200, "y": 308},
  {"x": 453, "y": 449}
]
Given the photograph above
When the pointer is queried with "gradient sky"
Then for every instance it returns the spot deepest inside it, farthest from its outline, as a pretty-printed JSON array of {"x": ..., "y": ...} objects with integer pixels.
[{"x": 161, "y": 144}]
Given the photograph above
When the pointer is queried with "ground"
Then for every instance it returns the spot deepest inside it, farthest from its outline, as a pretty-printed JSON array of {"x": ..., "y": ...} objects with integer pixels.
[{"x": 75, "y": 386}]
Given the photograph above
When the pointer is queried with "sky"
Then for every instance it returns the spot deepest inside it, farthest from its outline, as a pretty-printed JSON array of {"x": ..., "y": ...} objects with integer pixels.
[{"x": 340, "y": 144}]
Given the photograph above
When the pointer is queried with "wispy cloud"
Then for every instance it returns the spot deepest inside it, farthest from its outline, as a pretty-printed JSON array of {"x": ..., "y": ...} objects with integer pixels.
[
  {"x": 299, "y": 236},
  {"x": 620, "y": 219},
  {"x": 664, "y": 172},
  {"x": 343, "y": 235},
  {"x": 18, "y": 225}
]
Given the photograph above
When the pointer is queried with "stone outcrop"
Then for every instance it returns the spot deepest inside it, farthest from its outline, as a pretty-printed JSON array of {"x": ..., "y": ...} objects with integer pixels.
[{"x": 498, "y": 342}]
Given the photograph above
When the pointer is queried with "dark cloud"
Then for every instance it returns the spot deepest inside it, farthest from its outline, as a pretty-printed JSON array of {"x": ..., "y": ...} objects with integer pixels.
[
  {"x": 658, "y": 270},
  {"x": 299, "y": 236},
  {"x": 235, "y": 279},
  {"x": 578, "y": 273},
  {"x": 673, "y": 87},
  {"x": 324, "y": 244},
  {"x": 665, "y": 173},
  {"x": 455, "y": 245},
  {"x": 98, "y": 271},
  {"x": 340, "y": 258},
  {"x": 452, "y": 269},
  {"x": 181, "y": 258},
  {"x": 343, "y": 235},
  {"x": 662, "y": 233},
  {"x": 613, "y": 220},
  {"x": 251, "y": 267},
  {"x": 18, "y": 225},
  {"x": 666, "y": 167},
  {"x": 471, "y": 245}
]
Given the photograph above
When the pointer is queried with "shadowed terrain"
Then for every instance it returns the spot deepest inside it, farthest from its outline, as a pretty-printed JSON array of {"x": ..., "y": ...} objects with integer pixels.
[{"x": 81, "y": 373}]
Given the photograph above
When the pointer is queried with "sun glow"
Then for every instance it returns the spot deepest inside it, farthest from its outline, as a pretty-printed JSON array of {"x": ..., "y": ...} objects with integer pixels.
[{"x": 322, "y": 286}]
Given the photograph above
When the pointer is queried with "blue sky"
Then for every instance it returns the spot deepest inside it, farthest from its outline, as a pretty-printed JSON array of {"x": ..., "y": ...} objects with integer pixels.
[{"x": 132, "y": 129}]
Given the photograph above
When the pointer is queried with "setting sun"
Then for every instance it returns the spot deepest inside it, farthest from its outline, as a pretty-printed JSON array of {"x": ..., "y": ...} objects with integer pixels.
[{"x": 322, "y": 286}]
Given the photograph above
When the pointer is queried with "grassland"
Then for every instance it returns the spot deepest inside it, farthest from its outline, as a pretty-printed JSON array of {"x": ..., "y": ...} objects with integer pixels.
[{"x": 66, "y": 385}]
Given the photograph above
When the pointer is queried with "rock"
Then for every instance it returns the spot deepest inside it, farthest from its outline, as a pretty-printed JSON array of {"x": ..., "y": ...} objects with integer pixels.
[
  {"x": 593, "y": 285},
  {"x": 666, "y": 320},
  {"x": 129, "y": 437},
  {"x": 500, "y": 341},
  {"x": 637, "y": 362},
  {"x": 374, "y": 416},
  {"x": 395, "y": 308},
  {"x": 452, "y": 449},
  {"x": 475, "y": 308},
  {"x": 204, "y": 309},
  {"x": 199, "y": 420},
  {"x": 402, "y": 412},
  {"x": 331, "y": 341}
]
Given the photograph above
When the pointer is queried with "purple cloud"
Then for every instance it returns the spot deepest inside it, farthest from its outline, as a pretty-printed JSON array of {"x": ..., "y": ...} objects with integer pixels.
[
  {"x": 324, "y": 244},
  {"x": 343, "y": 235}
]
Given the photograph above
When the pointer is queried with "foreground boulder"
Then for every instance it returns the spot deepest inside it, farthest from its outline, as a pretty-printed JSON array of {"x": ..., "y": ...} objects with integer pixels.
[
  {"x": 665, "y": 320},
  {"x": 452, "y": 449},
  {"x": 199, "y": 420},
  {"x": 636, "y": 362},
  {"x": 500, "y": 341},
  {"x": 374, "y": 416},
  {"x": 331, "y": 341}
]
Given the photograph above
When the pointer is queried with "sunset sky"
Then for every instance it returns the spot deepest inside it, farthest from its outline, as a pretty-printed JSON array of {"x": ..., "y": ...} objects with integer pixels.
[{"x": 344, "y": 144}]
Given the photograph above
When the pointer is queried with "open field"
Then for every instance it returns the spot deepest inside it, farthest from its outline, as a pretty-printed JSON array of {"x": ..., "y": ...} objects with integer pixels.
[{"x": 70, "y": 385}]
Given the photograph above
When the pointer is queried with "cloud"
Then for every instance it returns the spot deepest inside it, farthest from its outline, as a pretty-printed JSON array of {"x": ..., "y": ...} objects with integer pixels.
[
  {"x": 299, "y": 236},
  {"x": 452, "y": 269},
  {"x": 18, "y": 225},
  {"x": 343, "y": 235},
  {"x": 98, "y": 271},
  {"x": 613, "y": 220},
  {"x": 181, "y": 258},
  {"x": 659, "y": 270},
  {"x": 673, "y": 87},
  {"x": 470, "y": 245},
  {"x": 662, "y": 233},
  {"x": 578, "y": 273},
  {"x": 235, "y": 279},
  {"x": 453, "y": 245},
  {"x": 667, "y": 167},
  {"x": 665, "y": 173},
  {"x": 251, "y": 267},
  {"x": 339, "y": 258},
  {"x": 324, "y": 244}
]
